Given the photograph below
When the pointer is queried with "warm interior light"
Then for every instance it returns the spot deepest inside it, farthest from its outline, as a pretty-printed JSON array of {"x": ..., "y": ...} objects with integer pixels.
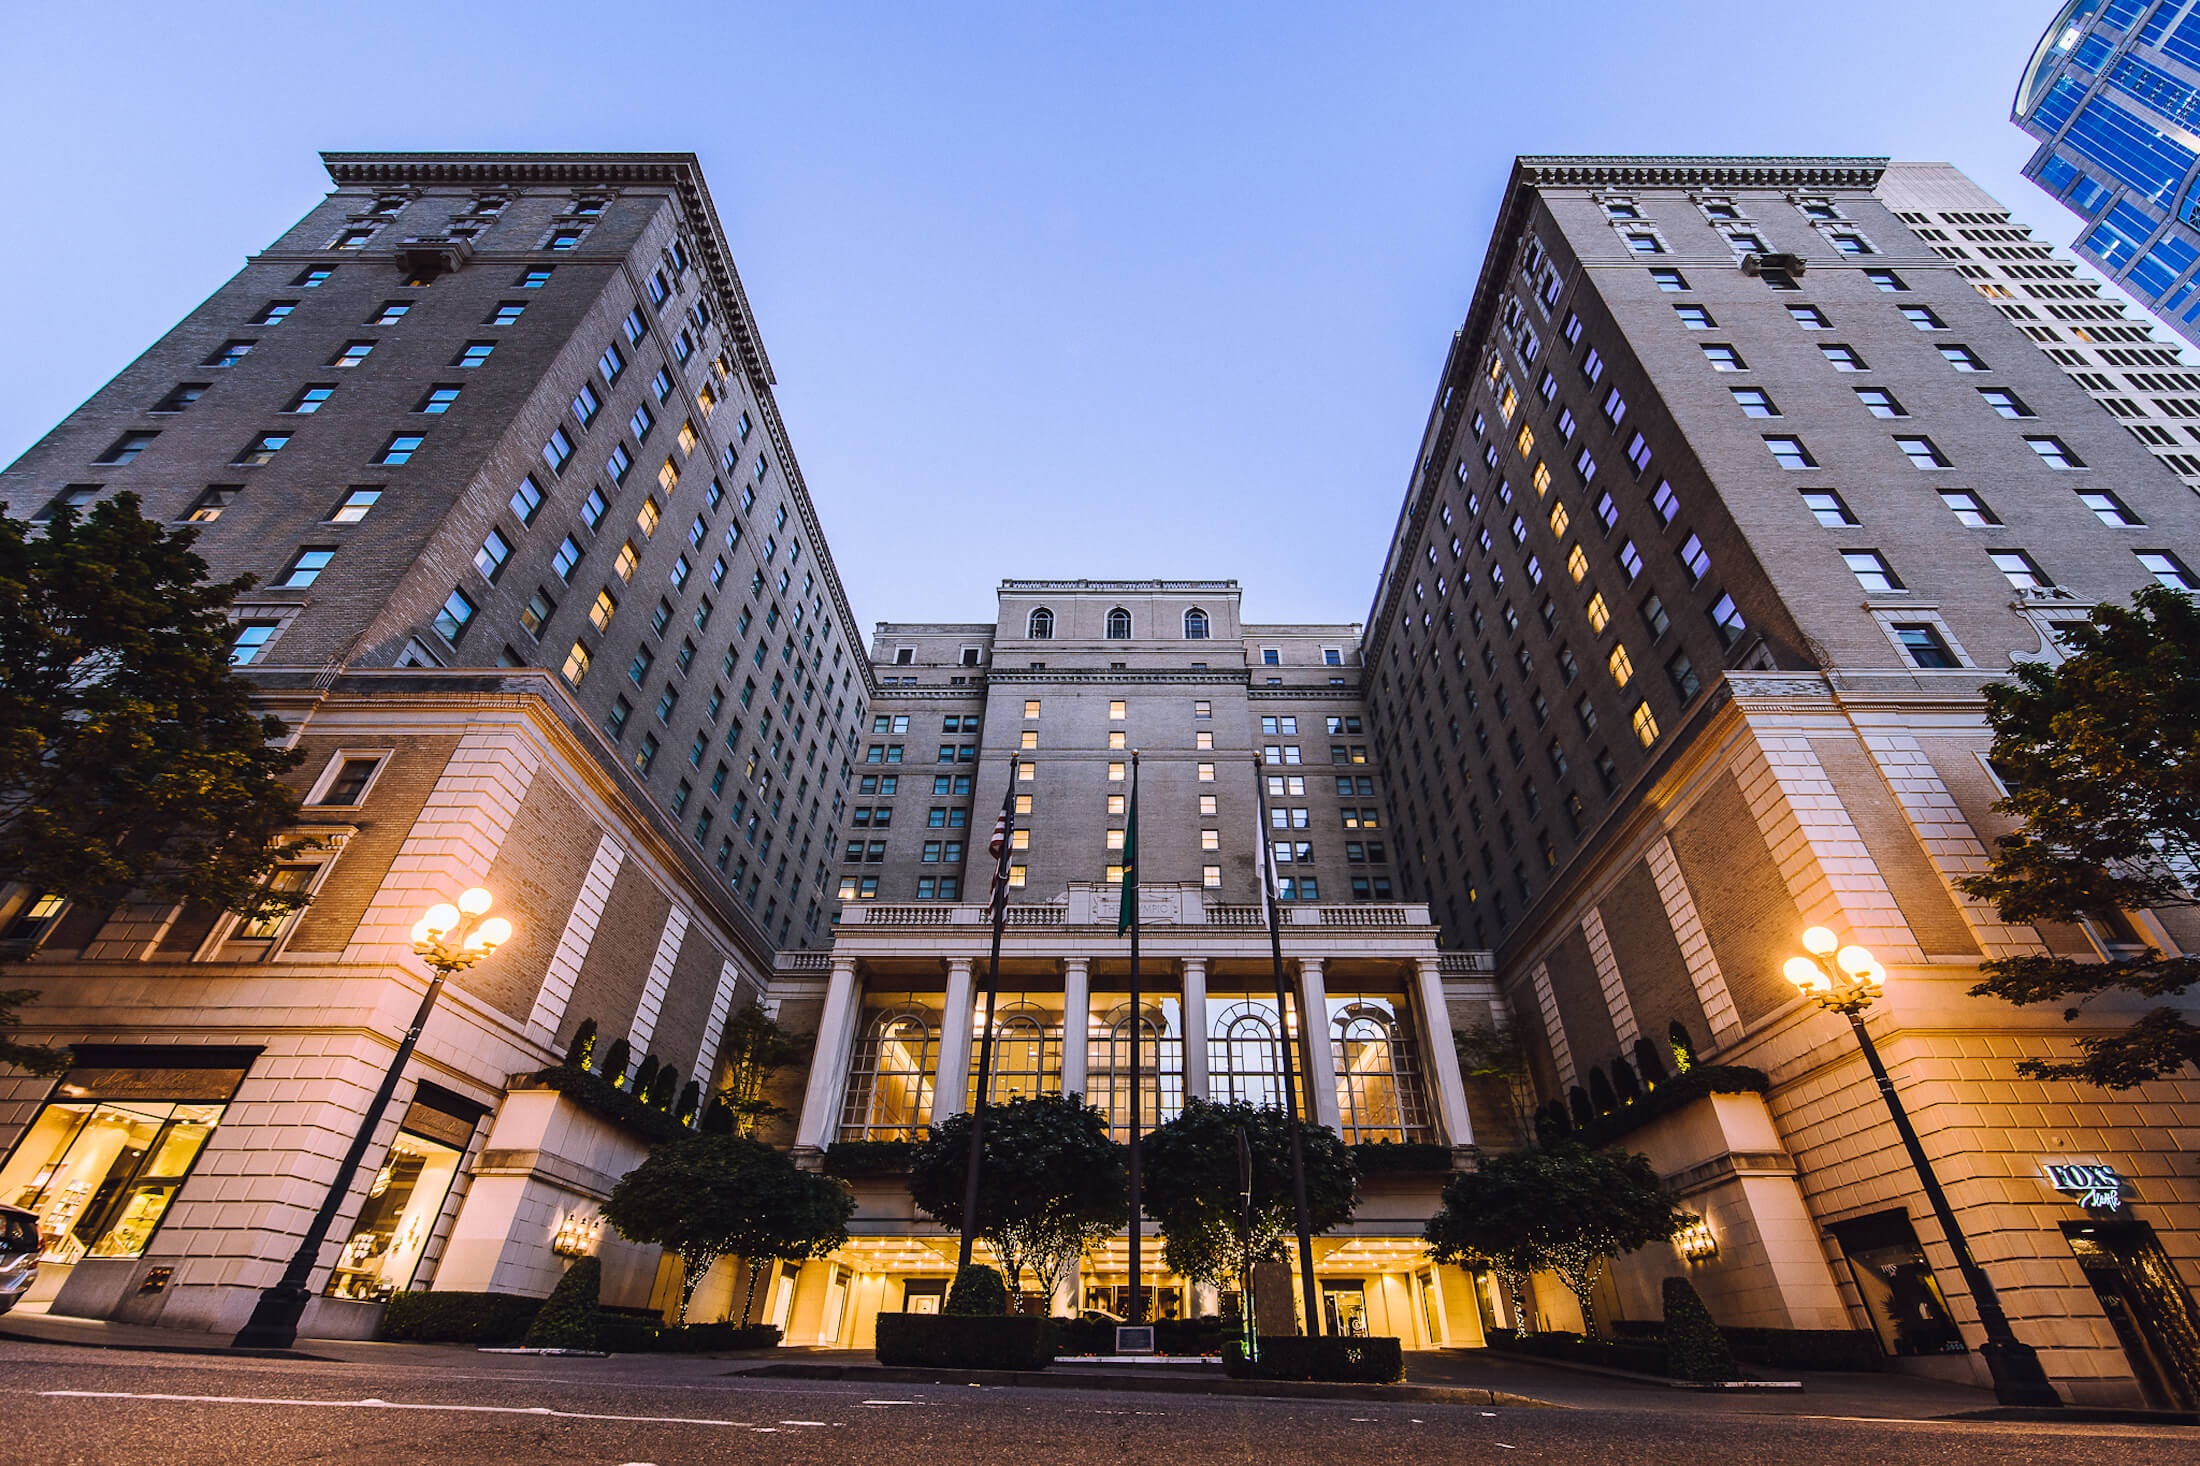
[
  {"x": 440, "y": 918},
  {"x": 1803, "y": 973},
  {"x": 1855, "y": 961},
  {"x": 491, "y": 934},
  {"x": 1819, "y": 940},
  {"x": 474, "y": 902}
]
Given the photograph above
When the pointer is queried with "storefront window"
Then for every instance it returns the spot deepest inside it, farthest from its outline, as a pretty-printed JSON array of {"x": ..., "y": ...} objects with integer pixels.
[
  {"x": 1027, "y": 1053},
  {"x": 396, "y": 1220},
  {"x": 1379, "y": 1095},
  {"x": 1896, "y": 1283},
  {"x": 100, "y": 1176},
  {"x": 890, "y": 1074}
]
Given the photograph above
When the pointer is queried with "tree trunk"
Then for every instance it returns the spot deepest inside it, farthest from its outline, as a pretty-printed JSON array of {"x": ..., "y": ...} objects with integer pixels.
[
  {"x": 693, "y": 1264},
  {"x": 1581, "y": 1281},
  {"x": 748, "y": 1298}
]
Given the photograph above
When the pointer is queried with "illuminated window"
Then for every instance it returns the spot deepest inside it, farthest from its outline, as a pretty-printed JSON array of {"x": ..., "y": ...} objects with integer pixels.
[{"x": 1620, "y": 665}]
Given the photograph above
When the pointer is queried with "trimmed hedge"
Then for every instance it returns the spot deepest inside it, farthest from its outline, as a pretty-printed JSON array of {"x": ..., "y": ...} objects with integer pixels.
[
  {"x": 1695, "y": 1349},
  {"x": 851, "y": 1159},
  {"x": 599, "y": 1096},
  {"x": 965, "y": 1341},
  {"x": 630, "y": 1335},
  {"x": 457, "y": 1318},
  {"x": 569, "y": 1320},
  {"x": 1389, "y": 1158},
  {"x": 1170, "y": 1335},
  {"x": 1639, "y": 1357},
  {"x": 977, "y": 1292},
  {"x": 1378, "y": 1361}
]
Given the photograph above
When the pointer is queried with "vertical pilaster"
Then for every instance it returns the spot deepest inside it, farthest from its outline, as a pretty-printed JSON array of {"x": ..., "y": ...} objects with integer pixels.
[
  {"x": 1443, "y": 1055},
  {"x": 1314, "y": 1014},
  {"x": 714, "y": 1031},
  {"x": 644, "y": 1027},
  {"x": 564, "y": 968},
  {"x": 1554, "y": 1031},
  {"x": 951, "y": 1085},
  {"x": 1195, "y": 1027},
  {"x": 821, "y": 1100},
  {"x": 1703, "y": 964},
  {"x": 1616, "y": 1001},
  {"x": 1076, "y": 1023}
]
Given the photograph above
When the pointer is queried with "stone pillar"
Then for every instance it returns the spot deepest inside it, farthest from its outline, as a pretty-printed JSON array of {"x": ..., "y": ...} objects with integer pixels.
[
  {"x": 1314, "y": 1016},
  {"x": 1443, "y": 1057},
  {"x": 829, "y": 1060},
  {"x": 1076, "y": 1026},
  {"x": 951, "y": 1084},
  {"x": 1194, "y": 1009}
]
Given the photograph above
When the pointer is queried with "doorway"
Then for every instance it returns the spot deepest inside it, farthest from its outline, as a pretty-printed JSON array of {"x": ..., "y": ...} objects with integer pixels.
[
  {"x": 1344, "y": 1301},
  {"x": 2147, "y": 1304}
]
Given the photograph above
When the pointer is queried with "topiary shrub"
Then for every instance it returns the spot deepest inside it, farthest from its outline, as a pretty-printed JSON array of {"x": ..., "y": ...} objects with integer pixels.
[
  {"x": 977, "y": 1291},
  {"x": 457, "y": 1318},
  {"x": 616, "y": 1058},
  {"x": 569, "y": 1319},
  {"x": 1694, "y": 1347},
  {"x": 963, "y": 1341},
  {"x": 582, "y": 1050},
  {"x": 1356, "y": 1361}
]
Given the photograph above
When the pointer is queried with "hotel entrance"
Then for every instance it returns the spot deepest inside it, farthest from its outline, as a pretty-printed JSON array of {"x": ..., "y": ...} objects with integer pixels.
[{"x": 2147, "y": 1304}]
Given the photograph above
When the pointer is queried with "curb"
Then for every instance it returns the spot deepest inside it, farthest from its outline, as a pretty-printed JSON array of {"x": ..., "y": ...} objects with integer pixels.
[
  {"x": 1147, "y": 1383},
  {"x": 2079, "y": 1415},
  {"x": 222, "y": 1350},
  {"x": 1654, "y": 1381}
]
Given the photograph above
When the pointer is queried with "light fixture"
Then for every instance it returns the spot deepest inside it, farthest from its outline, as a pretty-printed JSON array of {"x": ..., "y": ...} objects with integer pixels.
[
  {"x": 576, "y": 1235},
  {"x": 1695, "y": 1240}
]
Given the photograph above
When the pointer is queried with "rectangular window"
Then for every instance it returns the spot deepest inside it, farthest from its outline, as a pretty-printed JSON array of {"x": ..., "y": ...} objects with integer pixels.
[
  {"x": 181, "y": 396},
  {"x": 251, "y": 640},
  {"x": 1827, "y": 507},
  {"x": 2109, "y": 509},
  {"x": 1885, "y": 280},
  {"x": 1755, "y": 402},
  {"x": 1844, "y": 358},
  {"x": 1969, "y": 508},
  {"x": 439, "y": 400},
  {"x": 229, "y": 353},
  {"x": 400, "y": 448},
  {"x": 491, "y": 558},
  {"x": 208, "y": 506},
  {"x": 355, "y": 506},
  {"x": 310, "y": 399},
  {"x": 1922, "y": 318},
  {"x": 1879, "y": 402},
  {"x": 1922, "y": 453},
  {"x": 1871, "y": 569},
  {"x": 1809, "y": 317},
  {"x": 127, "y": 447},
  {"x": 306, "y": 566},
  {"x": 354, "y": 353},
  {"x": 1682, "y": 675},
  {"x": 566, "y": 559},
  {"x": 1620, "y": 665},
  {"x": 2021, "y": 570},
  {"x": 473, "y": 353},
  {"x": 2054, "y": 453},
  {"x": 456, "y": 615},
  {"x": 1670, "y": 280},
  {"x": 263, "y": 449},
  {"x": 1790, "y": 453},
  {"x": 1963, "y": 359},
  {"x": 1726, "y": 619},
  {"x": 1695, "y": 317},
  {"x": 391, "y": 313},
  {"x": 1925, "y": 645},
  {"x": 1695, "y": 559},
  {"x": 2005, "y": 402},
  {"x": 506, "y": 313},
  {"x": 1724, "y": 358},
  {"x": 536, "y": 614},
  {"x": 2167, "y": 569},
  {"x": 1645, "y": 724}
]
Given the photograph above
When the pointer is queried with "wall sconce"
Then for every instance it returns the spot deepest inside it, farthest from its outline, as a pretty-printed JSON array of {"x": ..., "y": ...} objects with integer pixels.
[
  {"x": 1694, "y": 1240},
  {"x": 576, "y": 1235}
]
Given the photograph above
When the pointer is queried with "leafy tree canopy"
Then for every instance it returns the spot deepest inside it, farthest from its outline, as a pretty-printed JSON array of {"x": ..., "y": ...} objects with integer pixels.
[
  {"x": 703, "y": 1197},
  {"x": 2102, "y": 758},
  {"x": 755, "y": 1049},
  {"x": 30, "y": 1058},
  {"x": 1190, "y": 1186},
  {"x": 1564, "y": 1208},
  {"x": 130, "y": 755},
  {"x": 1050, "y": 1181}
]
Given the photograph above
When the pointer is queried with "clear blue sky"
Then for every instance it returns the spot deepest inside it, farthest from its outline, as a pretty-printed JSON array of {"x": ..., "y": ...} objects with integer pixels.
[{"x": 1119, "y": 289}]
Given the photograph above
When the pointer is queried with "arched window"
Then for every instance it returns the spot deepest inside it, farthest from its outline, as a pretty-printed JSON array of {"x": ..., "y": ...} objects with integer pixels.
[
  {"x": 1195, "y": 625},
  {"x": 890, "y": 1077},
  {"x": 1378, "y": 1076},
  {"x": 1119, "y": 625},
  {"x": 1160, "y": 1068},
  {"x": 1244, "y": 1059},
  {"x": 1684, "y": 1048},
  {"x": 1042, "y": 625},
  {"x": 1027, "y": 1057}
]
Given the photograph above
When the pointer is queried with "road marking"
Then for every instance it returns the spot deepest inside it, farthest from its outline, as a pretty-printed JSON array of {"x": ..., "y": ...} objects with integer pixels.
[{"x": 539, "y": 1410}]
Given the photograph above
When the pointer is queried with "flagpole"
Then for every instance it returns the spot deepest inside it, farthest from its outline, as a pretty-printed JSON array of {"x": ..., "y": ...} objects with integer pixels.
[
  {"x": 1310, "y": 1292},
  {"x": 1003, "y": 839},
  {"x": 1136, "y": 1310}
]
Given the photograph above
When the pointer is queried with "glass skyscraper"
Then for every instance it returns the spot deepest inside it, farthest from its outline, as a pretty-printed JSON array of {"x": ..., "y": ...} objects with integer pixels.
[{"x": 2113, "y": 95}]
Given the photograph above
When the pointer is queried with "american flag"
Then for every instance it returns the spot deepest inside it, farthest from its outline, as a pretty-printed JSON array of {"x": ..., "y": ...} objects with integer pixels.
[{"x": 1000, "y": 846}]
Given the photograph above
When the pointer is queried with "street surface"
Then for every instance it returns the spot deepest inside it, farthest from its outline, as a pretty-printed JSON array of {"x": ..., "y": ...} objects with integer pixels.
[{"x": 450, "y": 1407}]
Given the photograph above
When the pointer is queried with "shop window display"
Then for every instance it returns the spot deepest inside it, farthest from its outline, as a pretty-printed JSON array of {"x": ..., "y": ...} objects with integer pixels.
[
  {"x": 100, "y": 1175},
  {"x": 396, "y": 1219}
]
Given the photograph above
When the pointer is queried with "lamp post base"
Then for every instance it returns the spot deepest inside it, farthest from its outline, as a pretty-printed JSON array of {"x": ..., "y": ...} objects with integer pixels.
[
  {"x": 2018, "y": 1378},
  {"x": 274, "y": 1321}
]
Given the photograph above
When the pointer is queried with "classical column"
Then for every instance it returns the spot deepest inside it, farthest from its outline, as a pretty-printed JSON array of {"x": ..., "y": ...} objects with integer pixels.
[
  {"x": 1314, "y": 1014},
  {"x": 829, "y": 1060},
  {"x": 951, "y": 1085},
  {"x": 1443, "y": 1056},
  {"x": 1194, "y": 1010},
  {"x": 1076, "y": 1024}
]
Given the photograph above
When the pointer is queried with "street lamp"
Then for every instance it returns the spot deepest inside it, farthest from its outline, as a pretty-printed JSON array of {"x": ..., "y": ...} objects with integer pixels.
[
  {"x": 449, "y": 938},
  {"x": 1847, "y": 980}
]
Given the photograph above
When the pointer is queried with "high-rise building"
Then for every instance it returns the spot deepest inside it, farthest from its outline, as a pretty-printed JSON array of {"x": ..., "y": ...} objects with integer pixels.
[
  {"x": 1734, "y": 495},
  {"x": 2112, "y": 92},
  {"x": 547, "y": 606},
  {"x": 2081, "y": 329}
]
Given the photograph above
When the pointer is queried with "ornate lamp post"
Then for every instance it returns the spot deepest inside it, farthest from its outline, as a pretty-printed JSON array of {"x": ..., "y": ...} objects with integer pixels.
[
  {"x": 449, "y": 939},
  {"x": 1847, "y": 980}
]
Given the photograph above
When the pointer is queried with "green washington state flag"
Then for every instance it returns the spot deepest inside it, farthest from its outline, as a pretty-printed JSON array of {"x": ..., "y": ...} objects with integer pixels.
[{"x": 1128, "y": 913}]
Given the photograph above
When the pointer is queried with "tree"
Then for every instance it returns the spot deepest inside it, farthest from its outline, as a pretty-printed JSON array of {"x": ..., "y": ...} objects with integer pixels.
[
  {"x": 703, "y": 1197},
  {"x": 1565, "y": 1208},
  {"x": 130, "y": 754},
  {"x": 755, "y": 1049},
  {"x": 1051, "y": 1182},
  {"x": 30, "y": 1058},
  {"x": 2102, "y": 758},
  {"x": 1499, "y": 1057},
  {"x": 1190, "y": 1186}
]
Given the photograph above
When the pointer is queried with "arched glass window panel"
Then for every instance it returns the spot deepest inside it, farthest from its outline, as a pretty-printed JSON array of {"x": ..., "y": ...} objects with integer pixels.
[
  {"x": 890, "y": 1076},
  {"x": 1379, "y": 1094},
  {"x": 1119, "y": 625},
  {"x": 1042, "y": 624},
  {"x": 1027, "y": 1055},
  {"x": 1245, "y": 1055},
  {"x": 1161, "y": 1067},
  {"x": 1195, "y": 625}
]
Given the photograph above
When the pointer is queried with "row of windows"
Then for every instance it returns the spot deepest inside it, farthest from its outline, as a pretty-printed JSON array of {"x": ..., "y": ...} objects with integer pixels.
[
  {"x": 1874, "y": 573},
  {"x": 1791, "y": 452},
  {"x": 1830, "y": 509},
  {"x": 1039, "y": 626}
]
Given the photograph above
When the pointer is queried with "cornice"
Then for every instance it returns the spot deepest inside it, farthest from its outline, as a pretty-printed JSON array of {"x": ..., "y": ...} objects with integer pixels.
[{"x": 1698, "y": 172}]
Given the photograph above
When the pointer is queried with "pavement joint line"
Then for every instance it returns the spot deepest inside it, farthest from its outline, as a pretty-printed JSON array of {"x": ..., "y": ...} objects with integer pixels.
[{"x": 540, "y": 1411}]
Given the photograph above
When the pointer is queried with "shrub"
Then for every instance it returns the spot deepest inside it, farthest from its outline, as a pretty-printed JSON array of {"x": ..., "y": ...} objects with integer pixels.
[
  {"x": 593, "y": 1092},
  {"x": 458, "y": 1318},
  {"x": 1639, "y": 1358},
  {"x": 626, "y": 1334},
  {"x": 1694, "y": 1347},
  {"x": 714, "y": 1338},
  {"x": 851, "y": 1158},
  {"x": 1676, "y": 1093},
  {"x": 964, "y": 1341},
  {"x": 1389, "y": 1158},
  {"x": 977, "y": 1290},
  {"x": 568, "y": 1320},
  {"x": 1355, "y": 1361}
]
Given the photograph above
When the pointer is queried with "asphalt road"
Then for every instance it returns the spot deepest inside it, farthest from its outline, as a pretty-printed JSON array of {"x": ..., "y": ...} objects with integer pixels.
[{"x": 66, "y": 1405}]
